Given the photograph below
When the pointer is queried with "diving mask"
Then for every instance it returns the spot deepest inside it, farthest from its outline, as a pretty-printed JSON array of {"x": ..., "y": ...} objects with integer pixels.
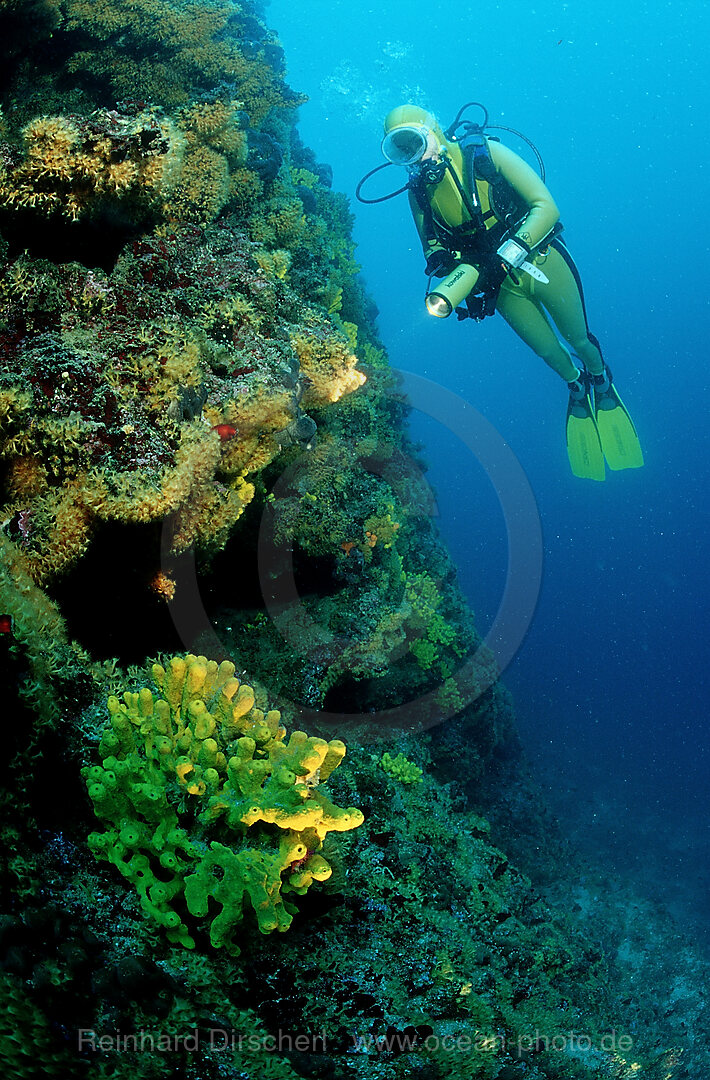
[{"x": 405, "y": 145}]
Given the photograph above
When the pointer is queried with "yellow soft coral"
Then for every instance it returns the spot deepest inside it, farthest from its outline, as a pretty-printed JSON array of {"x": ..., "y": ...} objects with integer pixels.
[
  {"x": 275, "y": 264},
  {"x": 203, "y": 187},
  {"x": 209, "y": 515},
  {"x": 216, "y": 124},
  {"x": 333, "y": 299},
  {"x": 329, "y": 366},
  {"x": 214, "y": 145},
  {"x": 282, "y": 225},
  {"x": 245, "y": 190},
  {"x": 220, "y": 319},
  {"x": 129, "y": 497},
  {"x": 15, "y": 405},
  {"x": 163, "y": 361},
  {"x": 258, "y": 416},
  {"x": 64, "y": 516},
  {"x": 382, "y": 527},
  {"x": 74, "y": 165},
  {"x": 38, "y": 632},
  {"x": 181, "y": 44}
]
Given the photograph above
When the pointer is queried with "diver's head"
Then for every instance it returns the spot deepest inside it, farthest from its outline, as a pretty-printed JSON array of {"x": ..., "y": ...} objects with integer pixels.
[{"x": 412, "y": 135}]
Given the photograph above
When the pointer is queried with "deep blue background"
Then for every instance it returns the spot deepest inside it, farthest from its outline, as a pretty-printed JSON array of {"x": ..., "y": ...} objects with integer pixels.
[{"x": 611, "y": 682}]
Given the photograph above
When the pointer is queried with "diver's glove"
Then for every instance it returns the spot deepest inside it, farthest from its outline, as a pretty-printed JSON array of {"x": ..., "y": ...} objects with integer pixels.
[
  {"x": 514, "y": 252},
  {"x": 439, "y": 262}
]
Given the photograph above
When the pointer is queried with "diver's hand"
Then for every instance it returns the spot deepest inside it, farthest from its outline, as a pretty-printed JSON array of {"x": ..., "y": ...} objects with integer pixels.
[
  {"x": 514, "y": 252},
  {"x": 438, "y": 263}
]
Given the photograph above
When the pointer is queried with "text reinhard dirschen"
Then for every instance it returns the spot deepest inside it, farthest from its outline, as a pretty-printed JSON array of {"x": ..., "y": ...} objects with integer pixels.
[{"x": 221, "y": 1039}]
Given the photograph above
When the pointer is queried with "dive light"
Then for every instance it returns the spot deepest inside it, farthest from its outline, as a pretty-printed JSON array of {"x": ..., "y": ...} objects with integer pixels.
[{"x": 449, "y": 293}]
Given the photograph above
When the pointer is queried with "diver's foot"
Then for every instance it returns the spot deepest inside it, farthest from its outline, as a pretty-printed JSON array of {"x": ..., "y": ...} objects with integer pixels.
[
  {"x": 583, "y": 447},
  {"x": 602, "y": 382},
  {"x": 617, "y": 434},
  {"x": 579, "y": 388}
]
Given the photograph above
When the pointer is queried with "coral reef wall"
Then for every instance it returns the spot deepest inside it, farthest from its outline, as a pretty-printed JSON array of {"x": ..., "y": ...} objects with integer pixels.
[{"x": 215, "y": 530}]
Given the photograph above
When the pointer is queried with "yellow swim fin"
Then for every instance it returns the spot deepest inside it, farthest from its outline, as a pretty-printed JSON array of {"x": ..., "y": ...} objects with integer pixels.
[
  {"x": 617, "y": 433},
  {"x": 584, "y": 448}
]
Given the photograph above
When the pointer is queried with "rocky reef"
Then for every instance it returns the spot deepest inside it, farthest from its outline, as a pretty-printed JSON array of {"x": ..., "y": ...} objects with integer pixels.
[{"x": 215, "y": 530}]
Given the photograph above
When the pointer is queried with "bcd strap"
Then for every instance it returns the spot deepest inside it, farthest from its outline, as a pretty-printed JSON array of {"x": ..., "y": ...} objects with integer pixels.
[
  {"x": 417, "y": 188},
  {"x": 506, "y": 205}
]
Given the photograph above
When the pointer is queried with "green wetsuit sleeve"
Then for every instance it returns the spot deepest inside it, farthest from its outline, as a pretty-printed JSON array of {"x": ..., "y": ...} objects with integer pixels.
[
  {"x": 543, "y": 214},
  {"x": 429, "y": 242}
]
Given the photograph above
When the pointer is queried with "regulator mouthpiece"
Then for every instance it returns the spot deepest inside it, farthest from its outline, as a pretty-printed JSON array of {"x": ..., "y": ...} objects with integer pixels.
[
  {"x": 432, "y": 172},
  {"x": 450, "y": 292}
]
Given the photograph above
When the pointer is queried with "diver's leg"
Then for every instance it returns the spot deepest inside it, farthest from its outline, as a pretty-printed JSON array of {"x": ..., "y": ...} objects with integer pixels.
[
  {"x": 531, "y": 324},
  {"x": 520, "y": 307},
  {"x": 564, "y": 300}
]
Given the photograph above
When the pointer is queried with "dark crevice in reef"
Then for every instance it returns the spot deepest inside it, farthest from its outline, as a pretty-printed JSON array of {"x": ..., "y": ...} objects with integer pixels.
[
  {"x": 96, "y": 244},
  {"x": 119, "y": 563}
]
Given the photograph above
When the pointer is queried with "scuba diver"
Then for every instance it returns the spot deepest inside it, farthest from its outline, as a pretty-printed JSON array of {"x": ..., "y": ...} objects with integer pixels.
[{"x": 490, "y": 231}]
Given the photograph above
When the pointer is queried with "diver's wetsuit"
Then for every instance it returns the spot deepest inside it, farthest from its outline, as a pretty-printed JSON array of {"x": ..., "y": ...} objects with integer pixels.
[{"x": 524, "y": 306}]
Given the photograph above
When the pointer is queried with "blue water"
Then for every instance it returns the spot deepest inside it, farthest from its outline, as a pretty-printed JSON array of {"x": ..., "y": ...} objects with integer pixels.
[{"x": 610, "y": 684}]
